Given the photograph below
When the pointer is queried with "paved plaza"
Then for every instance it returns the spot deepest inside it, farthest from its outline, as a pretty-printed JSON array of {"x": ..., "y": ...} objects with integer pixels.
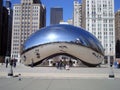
[
  {"x": 58, "y": 84},
  {"x": 50, "y": 78},
  {"x": 48, "y": 72}
]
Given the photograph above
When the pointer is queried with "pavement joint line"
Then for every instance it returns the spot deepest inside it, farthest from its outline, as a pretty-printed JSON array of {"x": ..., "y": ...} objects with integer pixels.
[
  {"x": 52, "y": 75},
  {"x": 52, "y": 72}
]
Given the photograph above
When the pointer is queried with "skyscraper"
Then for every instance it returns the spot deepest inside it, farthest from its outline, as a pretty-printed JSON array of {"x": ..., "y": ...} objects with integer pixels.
[
  {"x": 117, "y": 25},
  {"x": 0, "y": 25},
  {"x": 98, "y": 18},
  {"x": 56, "y": 15},
  {"x": 10, "y": 16},
  {"x": 28, "y": 17},
  {"x": 117, "y": 32},
  {"x": 1, "y": 1},
  {"x": 8, "y": 4},
  {"x": 77, "y": 13},
  {"x": 4, "y": 33},
  {"x": 1, "y": 13}
]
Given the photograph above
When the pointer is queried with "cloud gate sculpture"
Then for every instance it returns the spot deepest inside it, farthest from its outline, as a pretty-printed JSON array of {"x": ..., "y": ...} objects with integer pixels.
[{"x": 62, "y": 40}]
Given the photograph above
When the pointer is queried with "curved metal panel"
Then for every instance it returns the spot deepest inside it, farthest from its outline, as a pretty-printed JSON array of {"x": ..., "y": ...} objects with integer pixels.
[{"x": 63, "y": 33}]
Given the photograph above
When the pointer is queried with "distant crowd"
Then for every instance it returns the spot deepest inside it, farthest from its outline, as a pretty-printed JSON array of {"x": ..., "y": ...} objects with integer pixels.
[
  {"x": 64, "y": 64},
  {"x": 11, "y": 62},
  {"x": 117, "y": 64}
]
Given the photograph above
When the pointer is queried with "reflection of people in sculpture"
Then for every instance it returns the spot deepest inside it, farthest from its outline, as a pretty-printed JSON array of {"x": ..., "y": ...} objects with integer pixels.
[
  {"x": 70, "y": 63},
  {"x": 24, "y": 58},
  {"x": 64, "y": 63},
  {"x": 67, "y": 67},
  {"x": 14, "y": 62},
  {"x": 60, "y": 64},
  {"x": 32, "y": 62}
]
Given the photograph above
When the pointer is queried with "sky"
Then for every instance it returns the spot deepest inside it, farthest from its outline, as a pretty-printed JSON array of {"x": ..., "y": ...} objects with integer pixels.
[{"x": 67, "y": 6}]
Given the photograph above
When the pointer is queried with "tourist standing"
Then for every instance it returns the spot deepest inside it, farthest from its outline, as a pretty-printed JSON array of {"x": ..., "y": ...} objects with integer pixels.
[
  {"x": 6, "y": 62},
  {"x": 14, "y": 62},
  {"x": 11, "y": 62}
]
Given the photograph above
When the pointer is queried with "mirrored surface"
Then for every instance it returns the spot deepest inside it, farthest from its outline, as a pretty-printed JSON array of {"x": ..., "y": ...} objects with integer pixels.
[{"x": 63, "y": 33}]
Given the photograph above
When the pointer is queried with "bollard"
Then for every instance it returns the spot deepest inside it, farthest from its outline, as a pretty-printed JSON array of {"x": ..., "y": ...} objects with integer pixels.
[
  {"x": 19, "y": 77},
  {"x": 111, "y": 73},
  {"x": 10, "y": 72}
]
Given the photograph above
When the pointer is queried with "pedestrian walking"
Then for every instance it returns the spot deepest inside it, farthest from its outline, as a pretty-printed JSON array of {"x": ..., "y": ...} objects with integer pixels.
[
  {"x": 11, "y": 62},
  {"x": 6, "y": 62},
  {"x": 14, "y": 62},
  {"x": 60, "y": 64}
]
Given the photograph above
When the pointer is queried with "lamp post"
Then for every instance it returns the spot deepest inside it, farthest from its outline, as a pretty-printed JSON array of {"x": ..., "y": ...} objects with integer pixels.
[
  {"x": 111, "y": 73},
  {"x": 11, "y": 69}
]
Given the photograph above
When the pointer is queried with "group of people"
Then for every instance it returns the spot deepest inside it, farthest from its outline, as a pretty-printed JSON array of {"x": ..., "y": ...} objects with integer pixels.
[
  {"x": 115, "y": 64},
  {"x": 11, "y": 62},
  {"x": 64, "y": 64}
]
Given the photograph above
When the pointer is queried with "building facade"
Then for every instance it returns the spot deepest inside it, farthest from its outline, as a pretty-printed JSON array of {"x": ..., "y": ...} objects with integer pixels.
[
  {"x": 0, "y": 26},
  {"x": 98, "y": 18},
  {"x": 77, "y": 13},
  {"x": 117, "y": 33},
  {"x": 10, "y": 15},
  {"x": 117, "y": 25},
  {"x": 70, "y": 21},
  {"x": 4, "y": 32},
  {"x": 56, "y": 15},
  {"x": 28, "y": 17},
  {"x": 0, "y": 14}
]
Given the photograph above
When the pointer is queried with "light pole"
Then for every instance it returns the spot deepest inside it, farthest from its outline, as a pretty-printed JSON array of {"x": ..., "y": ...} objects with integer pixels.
[
  {"x": 10, "y": 73},
  {"x": 111, "y": 73}
]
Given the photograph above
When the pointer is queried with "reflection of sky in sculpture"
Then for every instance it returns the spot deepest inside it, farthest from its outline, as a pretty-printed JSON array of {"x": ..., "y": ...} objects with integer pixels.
[{"x": 63, "y": 33}]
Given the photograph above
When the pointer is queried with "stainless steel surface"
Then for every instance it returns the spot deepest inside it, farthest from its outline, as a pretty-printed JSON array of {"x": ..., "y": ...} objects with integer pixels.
[
  {"x": 63, "y": 33},
  {"x": 63, "y": 39}
]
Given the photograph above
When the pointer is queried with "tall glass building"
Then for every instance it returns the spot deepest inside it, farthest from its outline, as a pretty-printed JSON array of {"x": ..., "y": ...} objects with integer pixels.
[
  {"x": 0, "y": 23},
  {"x": 10, "y": 16},
  {"x": 56, "y": 15}
]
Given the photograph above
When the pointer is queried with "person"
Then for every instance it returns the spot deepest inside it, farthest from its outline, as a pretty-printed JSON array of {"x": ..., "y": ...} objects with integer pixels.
[
  {"x": 115, "y": 64},
  {"x": 118, "y": 64},
  {"x": 7, "y": 61},
  {"x": 70, "y": 63},
  {"x": 60, "y": 64},
  {"x": 67, "y": 67},
  {"x": 14, "y": 62},
  {"x": 11, "y": 62},
  {"x": 57, "y": 64},
  {"x": 64, "y": 63},
  {"x": 32, "y": 62}
]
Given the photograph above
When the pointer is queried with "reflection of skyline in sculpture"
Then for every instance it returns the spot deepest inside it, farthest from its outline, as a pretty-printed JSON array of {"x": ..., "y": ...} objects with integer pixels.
[
  {"x": 67, "y": 35},
  {"x": 63, "y": 33}
]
